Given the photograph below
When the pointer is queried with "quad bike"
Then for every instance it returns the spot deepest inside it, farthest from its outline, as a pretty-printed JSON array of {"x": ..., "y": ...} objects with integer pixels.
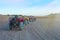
[{"x": 13, "y": 25}]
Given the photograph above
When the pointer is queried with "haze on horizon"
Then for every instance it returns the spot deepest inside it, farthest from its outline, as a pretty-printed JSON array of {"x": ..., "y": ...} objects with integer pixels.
[{"x": 29, "y": 7}]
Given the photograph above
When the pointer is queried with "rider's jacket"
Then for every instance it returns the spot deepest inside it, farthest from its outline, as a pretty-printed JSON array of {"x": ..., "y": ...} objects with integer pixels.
[{"x": 21, "y": 19}]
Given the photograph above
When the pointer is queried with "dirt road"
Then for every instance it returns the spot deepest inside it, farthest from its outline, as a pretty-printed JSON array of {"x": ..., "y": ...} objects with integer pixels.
[{"x": 42, "y": 29}]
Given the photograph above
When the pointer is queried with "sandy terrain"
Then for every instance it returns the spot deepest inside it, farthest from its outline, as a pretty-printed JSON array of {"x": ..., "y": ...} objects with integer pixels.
[{"x": 42, "y": 29}]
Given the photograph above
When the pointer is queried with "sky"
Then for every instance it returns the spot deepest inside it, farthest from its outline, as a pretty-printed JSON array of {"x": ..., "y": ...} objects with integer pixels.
[{"x": 29, "y": 7}]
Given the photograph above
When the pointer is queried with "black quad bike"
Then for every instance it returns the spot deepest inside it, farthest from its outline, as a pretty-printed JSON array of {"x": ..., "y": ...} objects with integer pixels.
[{"x": 14, "y": 25}]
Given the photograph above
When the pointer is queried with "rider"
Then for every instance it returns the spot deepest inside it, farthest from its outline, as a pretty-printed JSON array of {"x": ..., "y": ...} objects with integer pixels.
[
  {"x": 17, "y": 20},
  {"x": 21, "y": 19},
  {"x": 26, "y": 20},
  {"x": 13, "y": 23}
]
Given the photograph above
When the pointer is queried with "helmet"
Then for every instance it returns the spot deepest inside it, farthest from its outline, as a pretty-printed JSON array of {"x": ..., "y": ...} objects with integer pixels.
[{"x": 16, "y": 16}]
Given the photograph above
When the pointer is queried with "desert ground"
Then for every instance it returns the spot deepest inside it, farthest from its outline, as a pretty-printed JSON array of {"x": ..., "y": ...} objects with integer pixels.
[{"x": 41, "y": 29}]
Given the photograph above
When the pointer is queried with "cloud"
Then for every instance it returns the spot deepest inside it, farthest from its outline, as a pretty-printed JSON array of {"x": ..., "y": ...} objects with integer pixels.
[
  {"x": 55, "y": 3},
  {"x": 52, "y": 7},
  {"x": 11, "y": 1},
  {"x": 29, "y": 7}
]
